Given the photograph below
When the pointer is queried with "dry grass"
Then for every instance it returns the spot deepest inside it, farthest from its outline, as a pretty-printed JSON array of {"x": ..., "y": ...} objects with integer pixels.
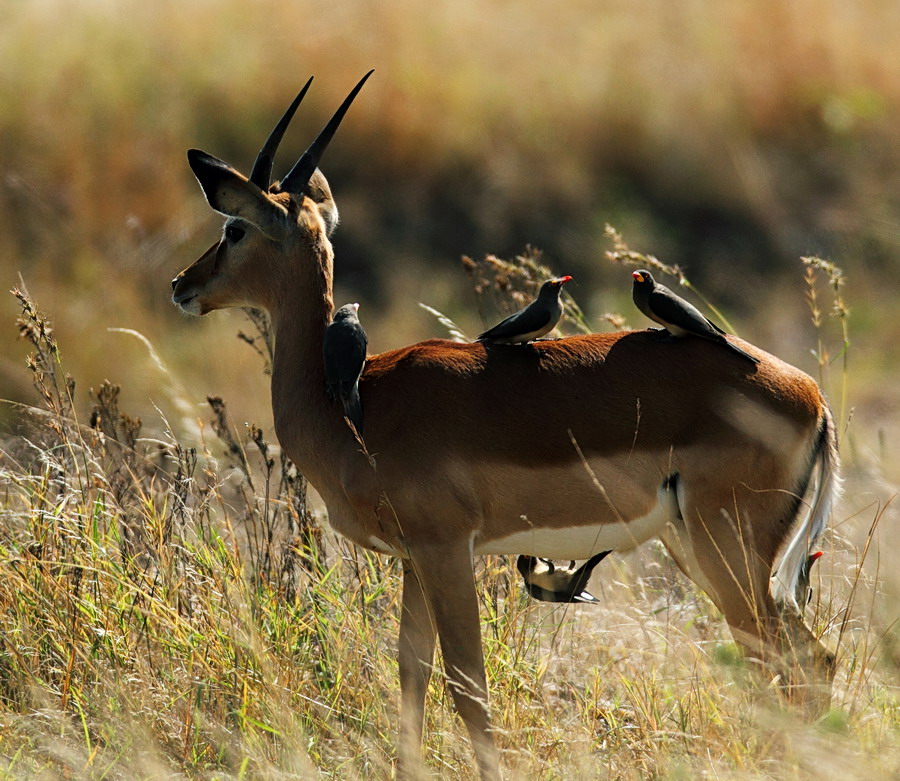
[{"x": 171, "y": 611}]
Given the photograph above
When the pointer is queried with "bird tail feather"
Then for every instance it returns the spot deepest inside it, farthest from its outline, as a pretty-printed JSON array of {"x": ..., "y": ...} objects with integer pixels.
[
  {"x": 353, "y": 407},
  {"x": 744, "y": 353}
]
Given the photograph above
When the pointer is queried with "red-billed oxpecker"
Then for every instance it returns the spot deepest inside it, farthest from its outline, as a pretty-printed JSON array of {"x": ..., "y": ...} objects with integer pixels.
[
  {"x": 675, "y": 314},
  {"x": 344, "y": 350},
  {"x": 549, "y": 583},
  {"x": 803, "y": 584},
  {"x": 538, "y": 318}
]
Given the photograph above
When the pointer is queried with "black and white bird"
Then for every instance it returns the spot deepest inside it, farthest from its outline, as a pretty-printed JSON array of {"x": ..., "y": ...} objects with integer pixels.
[
  {"x": 675, "y": 314},
  {"x": 538, "y": 318},
  {"x": 549, "y": 583},
  {"x": 344, "y": 350}
]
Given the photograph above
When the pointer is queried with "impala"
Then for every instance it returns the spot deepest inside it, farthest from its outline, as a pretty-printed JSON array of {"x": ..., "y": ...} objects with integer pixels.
[{"x": 559, "y": 449}]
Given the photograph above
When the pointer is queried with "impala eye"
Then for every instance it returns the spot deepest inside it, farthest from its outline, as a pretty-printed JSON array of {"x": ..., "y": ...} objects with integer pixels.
[{"x": 234, "y": 234}]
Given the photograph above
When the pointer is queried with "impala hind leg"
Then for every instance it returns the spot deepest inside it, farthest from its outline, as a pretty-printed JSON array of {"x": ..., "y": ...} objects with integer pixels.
[
  {"x": 735, "y": 551},
  {"x": 447, "y": 579},
  {"x": 417, "y": 635},
  {"x": 736, "y": 577}
]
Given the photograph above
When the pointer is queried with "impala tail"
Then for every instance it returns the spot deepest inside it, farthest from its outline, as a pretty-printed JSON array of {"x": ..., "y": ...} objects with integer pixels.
[{"x": 788, "y": 580}]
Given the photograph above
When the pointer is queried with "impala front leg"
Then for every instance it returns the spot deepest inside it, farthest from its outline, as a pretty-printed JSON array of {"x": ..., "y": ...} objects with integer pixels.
[
  {"x": 417, "y": 634},
  {"x": 447, "y": 579}
]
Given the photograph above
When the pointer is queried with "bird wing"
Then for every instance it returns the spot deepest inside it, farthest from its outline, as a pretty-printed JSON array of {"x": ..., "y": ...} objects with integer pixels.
[
  {"x": 583, "y": 574},
  {"x": 356, "y": 352},
  {"x": 532, "y": 318},
  {"x": 594, "y": 560},
  {"x": 675, "y": 310},
  {"x": 344, "y": 349}
]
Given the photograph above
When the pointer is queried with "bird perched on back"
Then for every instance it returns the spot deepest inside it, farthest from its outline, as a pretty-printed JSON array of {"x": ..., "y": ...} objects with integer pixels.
[
  {"x": 549, "y": 583},
  {"x": 344, "y": 350},
  {"x": 675, "y": 314},
  {"x": 538, "y": 318}
]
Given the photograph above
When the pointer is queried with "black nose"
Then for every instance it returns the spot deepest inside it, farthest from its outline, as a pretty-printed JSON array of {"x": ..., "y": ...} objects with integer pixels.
[{"x": 174, "y": 282}]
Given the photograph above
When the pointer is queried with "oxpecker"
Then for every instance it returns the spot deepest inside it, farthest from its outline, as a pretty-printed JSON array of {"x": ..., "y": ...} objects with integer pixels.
[
  {"x": 344, "y": 349},
  {"x": 675, "y": 314},
  {"x": 549, "y": 583},
  {"x": 803, "y": 586},
  {"x": 538, "y": 318}
]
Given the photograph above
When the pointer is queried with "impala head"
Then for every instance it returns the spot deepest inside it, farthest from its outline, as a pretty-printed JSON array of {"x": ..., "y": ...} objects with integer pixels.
[{"x": 267, "y": 226}]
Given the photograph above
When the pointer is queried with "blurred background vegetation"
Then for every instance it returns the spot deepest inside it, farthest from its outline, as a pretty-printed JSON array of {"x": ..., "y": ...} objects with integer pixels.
[{"x": 728, "y": 137}]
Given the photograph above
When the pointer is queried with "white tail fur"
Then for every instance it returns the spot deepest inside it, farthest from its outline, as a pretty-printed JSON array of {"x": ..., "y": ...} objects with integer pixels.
[{"x": 786, "y": 580}]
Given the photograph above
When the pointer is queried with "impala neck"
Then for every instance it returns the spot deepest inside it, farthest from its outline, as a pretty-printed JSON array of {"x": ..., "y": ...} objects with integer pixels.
[{"x": 308, "y": 426}]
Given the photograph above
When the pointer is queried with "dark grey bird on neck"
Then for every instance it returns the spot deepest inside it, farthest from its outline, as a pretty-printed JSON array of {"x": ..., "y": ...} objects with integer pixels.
[
  {"x": 675, "y": 314},
  {"x": 549, "y": 583},
  {"x": 538, "y": 318},
  {"x": 344, "y": 350}
]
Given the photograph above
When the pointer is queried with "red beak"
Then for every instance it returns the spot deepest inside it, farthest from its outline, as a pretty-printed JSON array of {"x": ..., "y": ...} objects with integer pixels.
[{"x": 563, "y": 280}]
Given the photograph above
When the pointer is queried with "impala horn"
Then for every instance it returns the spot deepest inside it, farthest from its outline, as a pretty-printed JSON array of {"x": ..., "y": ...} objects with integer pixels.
[
  {"x": 298, "y": 176},
  {"x": 261, "y": 175}
]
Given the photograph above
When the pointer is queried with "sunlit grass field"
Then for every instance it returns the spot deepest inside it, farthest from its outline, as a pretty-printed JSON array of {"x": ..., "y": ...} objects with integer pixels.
[{"x": 172, "y": 604}]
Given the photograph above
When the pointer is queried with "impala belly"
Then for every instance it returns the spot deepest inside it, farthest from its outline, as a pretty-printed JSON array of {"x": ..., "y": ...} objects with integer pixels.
[
  {"x": 577, "y": 514},
  {"x": 580, "y": 542}
]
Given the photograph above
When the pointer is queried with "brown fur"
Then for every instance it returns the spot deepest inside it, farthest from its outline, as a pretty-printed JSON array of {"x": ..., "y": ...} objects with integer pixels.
[{"x": 613, "y": 391}]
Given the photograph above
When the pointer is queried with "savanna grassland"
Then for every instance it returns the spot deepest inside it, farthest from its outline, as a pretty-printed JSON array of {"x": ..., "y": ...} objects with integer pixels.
[{"x": 172, "y": 603}]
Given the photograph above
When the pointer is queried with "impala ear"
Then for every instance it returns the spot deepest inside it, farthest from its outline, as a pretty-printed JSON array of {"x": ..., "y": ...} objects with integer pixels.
[
  {"x": 232, "y": 194},
  {"x": 320, "y": 192},
  {"x": 329, "y": 213}
]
